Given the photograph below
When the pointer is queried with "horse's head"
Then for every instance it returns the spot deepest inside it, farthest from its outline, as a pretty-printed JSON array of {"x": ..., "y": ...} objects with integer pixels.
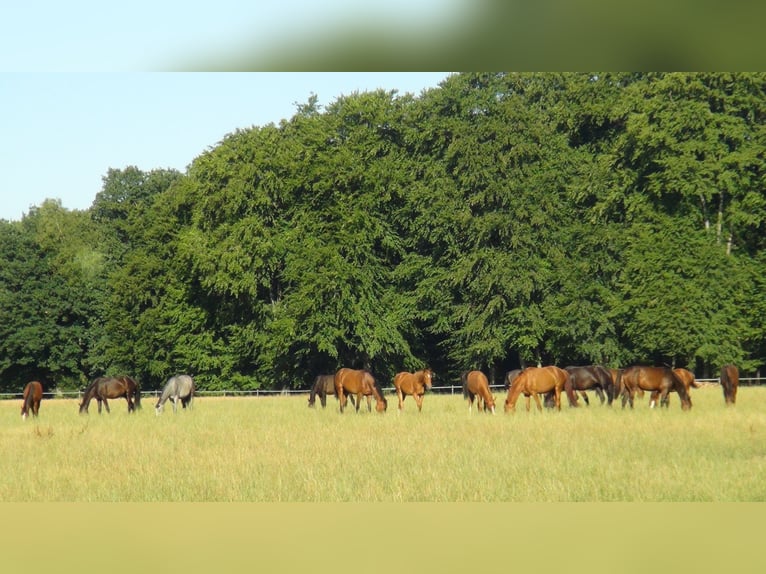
[
  {"x": 428, "y": 376},
  {"x": 381, "y": 405}
]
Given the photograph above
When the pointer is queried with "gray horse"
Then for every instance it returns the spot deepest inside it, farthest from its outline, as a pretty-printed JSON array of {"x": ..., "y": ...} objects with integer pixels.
[{"x": 179, "y": 387}]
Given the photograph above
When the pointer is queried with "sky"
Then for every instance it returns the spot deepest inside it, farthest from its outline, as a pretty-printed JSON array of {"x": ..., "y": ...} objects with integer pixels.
[
  {"x": 141, "y": 35},
  {"x": 61, "y": 132}
]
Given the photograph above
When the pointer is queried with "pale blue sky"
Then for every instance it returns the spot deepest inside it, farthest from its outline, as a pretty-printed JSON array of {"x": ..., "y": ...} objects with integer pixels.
[
  {"x": 61, "y": 132},
  {"x": 156, "y": 35}
]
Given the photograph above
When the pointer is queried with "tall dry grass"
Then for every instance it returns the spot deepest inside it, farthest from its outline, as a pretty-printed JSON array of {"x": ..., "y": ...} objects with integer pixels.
[{"x": 276, "y": 449}]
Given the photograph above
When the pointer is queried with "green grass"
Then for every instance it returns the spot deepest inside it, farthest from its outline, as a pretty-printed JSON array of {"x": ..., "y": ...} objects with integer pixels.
[{"x": 276, "y": 449}]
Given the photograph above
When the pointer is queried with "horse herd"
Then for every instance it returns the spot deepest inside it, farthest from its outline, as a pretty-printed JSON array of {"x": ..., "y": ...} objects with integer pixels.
[
  {"x": 550, "y": 382},
  {"x": 354, "y": 384},
  {"x": 179, "y": 388}
]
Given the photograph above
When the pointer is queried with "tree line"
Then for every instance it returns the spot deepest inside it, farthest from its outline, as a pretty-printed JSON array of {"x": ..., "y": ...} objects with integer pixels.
[{"x": 496, "y": 221}]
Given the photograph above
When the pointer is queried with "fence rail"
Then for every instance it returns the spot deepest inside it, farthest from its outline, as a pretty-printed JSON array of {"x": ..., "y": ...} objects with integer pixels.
[{"x": 445, "y": 389}]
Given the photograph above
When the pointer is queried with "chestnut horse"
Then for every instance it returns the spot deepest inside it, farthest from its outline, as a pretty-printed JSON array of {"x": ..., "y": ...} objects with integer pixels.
[
  {"x": 687, "y": 378},
  {"x": 729, "y": 383},
  {"x": 534, "y": 381},
  {"x": 325, "y": 385},
  {"x": 104, "y": 388},
  {"x": 476, "y": 386},
  {"x": 33, "y": 394},
  {"x": 360, "y": 383},
  {"x": 591, "y": 377},
  {"x": 414, "y": 384},
  {"x": 659, "y": 379}
]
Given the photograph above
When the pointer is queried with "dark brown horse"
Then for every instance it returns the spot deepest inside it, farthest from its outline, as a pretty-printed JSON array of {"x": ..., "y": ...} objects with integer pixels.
[
  {"x": 360, "y": 383},
  {"x": 729, "y": 383},
  {"x": 476, "y": 387},
  {"x": 589, "y": 378},
  {"x": 660, "y": 379},
  {"x": 534, "y": 381},
  {"x": 33, "y": 394},
  {"x": 325, "y": 385},
  {"x": 104, "y": 388},
  {"x": 414, "y": 384}
]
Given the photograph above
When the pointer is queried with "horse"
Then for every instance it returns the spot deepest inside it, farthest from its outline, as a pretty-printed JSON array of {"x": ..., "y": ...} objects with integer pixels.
[
  {"x": 414, "y": 384},
  {"x": 325, "y": 385},
  {"x": 591, "y": 377},
  {"x": 178, "y": 388},
  {"x": 104, "y": 388},
  {"x": 729, "y": 383},
  {"x": 616, "y": 375},
  {"x": 510, "y": 376},
  {"x": 33, "y": 394},
  {"x": 360, "y": 383},
  {"x": 660, "y": 379},
  {"x": 687, "y": 378},
  {"x": 534, "y": 381},
  {"x": 476, "y": 386}
]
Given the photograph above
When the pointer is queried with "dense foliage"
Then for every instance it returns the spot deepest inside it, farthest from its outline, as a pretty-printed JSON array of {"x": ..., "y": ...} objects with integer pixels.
[{"x": 498, "y": 220}]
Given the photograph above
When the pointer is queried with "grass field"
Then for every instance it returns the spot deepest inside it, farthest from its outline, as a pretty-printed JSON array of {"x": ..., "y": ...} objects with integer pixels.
[{"x": 276, "y": 449}]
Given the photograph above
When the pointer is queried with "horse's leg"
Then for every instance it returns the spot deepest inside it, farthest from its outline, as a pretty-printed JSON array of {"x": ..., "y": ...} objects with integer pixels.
[
  {"x": 600, "y": 394},
  {"x": 342, "y": 399},
  {"x": 323, "y": 399},
  {"x": 537, "y": 402},
  {"x": 400, "y": 396},
  {"x": 653, "y": 399},
  {"x": 419, "y": 401},
  {"x": 584, "y": 396}
]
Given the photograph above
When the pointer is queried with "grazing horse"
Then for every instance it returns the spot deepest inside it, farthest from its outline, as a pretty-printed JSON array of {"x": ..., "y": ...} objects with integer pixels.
[
  {"x": 659, "y": 379},
  {"x": 729, "y": 383},
  {"x": 591, "y": 377},
  {"x": 325, "y": 385},
  {"x": 33, "y": 394},
  {"x": 104, "y": 388},
  {"x": 360, "y": 383},
  {"x": 414, "y": 384},
  {"x": 534, "y": 381},
  {"x": 476, "y": 386},
  {"x": 687, "y": 378},
  {"x": 178, "y": 388}
]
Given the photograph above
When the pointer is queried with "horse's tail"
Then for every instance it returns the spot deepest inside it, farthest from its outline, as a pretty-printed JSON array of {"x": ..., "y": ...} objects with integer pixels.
[
  {"x": 464, "y": 382},
  {"x": 137, "y": 395}
]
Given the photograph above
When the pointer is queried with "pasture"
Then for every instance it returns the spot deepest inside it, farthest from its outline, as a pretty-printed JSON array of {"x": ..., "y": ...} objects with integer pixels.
[{"x": 273, "y": 449}]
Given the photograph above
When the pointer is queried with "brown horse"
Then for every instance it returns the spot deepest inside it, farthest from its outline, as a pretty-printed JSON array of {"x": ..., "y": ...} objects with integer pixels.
[
  {"x": 660, "y": 379},
  {"x": 617, "y": 385},
  {"x": 104, "y": 388},
  {"x": 360, "y": 383},
  {"x": 534, "y": 381},
  {"x": 687, "y": 378},
  {"x": 591, "y": 377},
  {"x": 325, "y": 385},
  {"x": 729, "y": 383},
  {"x": 476, "y": 386},
  {"x": 33, "y": 394},
  {"x": 414, "y": 384}
]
